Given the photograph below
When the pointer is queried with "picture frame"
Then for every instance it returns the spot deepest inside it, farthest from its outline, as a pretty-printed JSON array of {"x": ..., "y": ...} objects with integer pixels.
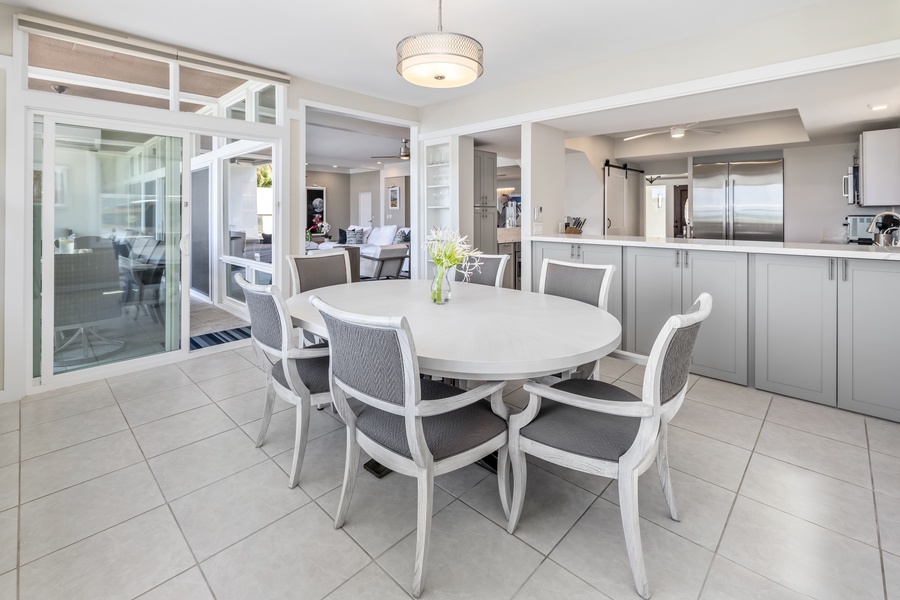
[{"x": 394, "y": 198}]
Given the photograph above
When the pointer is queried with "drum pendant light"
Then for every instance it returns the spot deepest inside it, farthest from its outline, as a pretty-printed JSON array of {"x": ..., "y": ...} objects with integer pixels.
[{"x": 440, "y": 59}]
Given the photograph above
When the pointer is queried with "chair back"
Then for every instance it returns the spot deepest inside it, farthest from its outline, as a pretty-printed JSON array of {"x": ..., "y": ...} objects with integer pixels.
[
  {"x": 585, "y": 283},
  {"x": 668, "y": 365},
  {"x": 667, "y": 371},
  {"x": 488, "y": 272},
  {"x": 270, "y": 325},
  {"x": 322, "y": 269},
  {"x": 373, "y": 359}
]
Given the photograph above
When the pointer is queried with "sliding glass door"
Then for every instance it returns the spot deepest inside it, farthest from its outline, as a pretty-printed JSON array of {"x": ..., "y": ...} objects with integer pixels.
[{"x": 109, "y": 209}]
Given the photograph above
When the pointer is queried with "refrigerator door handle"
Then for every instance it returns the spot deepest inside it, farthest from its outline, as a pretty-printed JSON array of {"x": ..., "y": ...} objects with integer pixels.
[
  {"x": 730, "y": 215},
  {"x": 725, "y": 216}
]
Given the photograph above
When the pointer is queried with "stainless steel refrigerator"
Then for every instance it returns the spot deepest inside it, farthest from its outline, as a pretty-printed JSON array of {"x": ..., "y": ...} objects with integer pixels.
[{"x": 739, "y": 201}]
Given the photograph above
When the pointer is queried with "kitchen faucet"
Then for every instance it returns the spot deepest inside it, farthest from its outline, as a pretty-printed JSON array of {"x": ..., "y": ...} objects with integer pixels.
[{"x": 889, "y": 230}]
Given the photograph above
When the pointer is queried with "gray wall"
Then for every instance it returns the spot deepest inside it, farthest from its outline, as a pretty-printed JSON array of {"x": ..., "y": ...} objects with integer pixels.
[
  {"x": 337, "y": 200},
  {"x": 814, "y": 208},
  {"x": 400, "y": 217}
]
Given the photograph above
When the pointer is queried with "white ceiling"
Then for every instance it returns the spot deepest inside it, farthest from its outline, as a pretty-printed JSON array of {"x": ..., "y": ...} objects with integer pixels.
[{"x": 351, "y": 45}]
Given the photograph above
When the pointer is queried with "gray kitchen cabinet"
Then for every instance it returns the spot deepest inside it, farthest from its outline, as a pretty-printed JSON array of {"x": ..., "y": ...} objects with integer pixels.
[
  {"x": 795, "y": 330},
  {"x": 867, "y": 299},
  {"x": 586, "y": 254},
  {"x": 879, "y": 177},
  {"x": 662, "y": 282},
  {"x": 485, "y": 178}
]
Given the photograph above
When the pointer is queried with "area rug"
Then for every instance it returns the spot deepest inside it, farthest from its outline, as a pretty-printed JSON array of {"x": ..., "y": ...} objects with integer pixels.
[{"x": 219, "y": 337}]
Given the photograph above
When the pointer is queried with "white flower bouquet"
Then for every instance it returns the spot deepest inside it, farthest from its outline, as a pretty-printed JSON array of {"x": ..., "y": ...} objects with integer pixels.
[{"x": 447, "y": 249}]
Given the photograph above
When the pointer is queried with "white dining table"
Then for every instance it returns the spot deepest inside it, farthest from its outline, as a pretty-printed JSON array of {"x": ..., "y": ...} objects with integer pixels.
[{"x": 483, "y": 333}]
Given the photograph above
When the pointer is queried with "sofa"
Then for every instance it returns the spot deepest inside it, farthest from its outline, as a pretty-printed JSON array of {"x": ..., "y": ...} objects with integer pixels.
[{"x": 381, "y": 249}]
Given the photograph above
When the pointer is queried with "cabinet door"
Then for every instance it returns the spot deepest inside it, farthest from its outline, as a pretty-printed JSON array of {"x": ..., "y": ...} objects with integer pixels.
[
  {"x": 478, "y": 177},
  {"x": 721, "y": 349},
  {"x": 486, "y": 230},
  {"x": 879, "y": 155},
  {"x": 489, "y": 177},
  {"x": 652, "y": 294},
  {"x": 868, "y": 295},
  {"x": 555, "y": 251},
  {"x": 606, "y": 255},
  {"x": 796, "y": 326}
]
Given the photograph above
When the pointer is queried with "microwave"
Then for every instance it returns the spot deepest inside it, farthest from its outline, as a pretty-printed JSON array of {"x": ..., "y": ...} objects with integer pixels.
[{"x": 856, "y": 229}]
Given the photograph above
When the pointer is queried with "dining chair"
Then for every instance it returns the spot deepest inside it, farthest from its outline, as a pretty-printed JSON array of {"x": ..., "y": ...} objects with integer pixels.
[
  {"x": 598, "y": 428},
  {"x": 321, "y": 269},
  {"x": 294, "y": 374},
  {"x": 316, "y": 270},
  {"x": 417, "y": 427},
  {"x": 489, "y": 271},
  {"x": 583, "y": 282}
]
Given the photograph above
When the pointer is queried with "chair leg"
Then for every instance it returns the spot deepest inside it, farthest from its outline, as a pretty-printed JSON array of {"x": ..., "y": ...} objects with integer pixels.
[
  {"x": 425, "y": 482},
  {"x": 503, "y": 478},
  {"x": 520, "y": 480},
  {"x": 267, "y": 414},
  {"x": 303, "y": 408},
  {"x": 628, "y": 505},
  {"x": 662, "y": 465},
  {"x": 351, "y": 465}
]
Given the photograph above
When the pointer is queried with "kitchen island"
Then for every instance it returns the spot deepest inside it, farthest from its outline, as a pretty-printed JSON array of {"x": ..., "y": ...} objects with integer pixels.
[{"x": 796, "y": 319}]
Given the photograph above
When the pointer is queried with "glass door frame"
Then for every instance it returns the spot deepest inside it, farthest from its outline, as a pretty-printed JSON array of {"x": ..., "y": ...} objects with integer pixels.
[
  {"x": 217, "y": 162},
  {"x": 50, "y": 120}
]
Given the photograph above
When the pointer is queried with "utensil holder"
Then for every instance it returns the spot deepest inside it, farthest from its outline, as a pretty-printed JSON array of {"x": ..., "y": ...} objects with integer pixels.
[{"x": 573, "y": 230}]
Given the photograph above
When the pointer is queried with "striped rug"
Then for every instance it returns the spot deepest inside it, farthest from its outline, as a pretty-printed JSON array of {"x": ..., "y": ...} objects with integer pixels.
[{"x": 219, "y": 337}]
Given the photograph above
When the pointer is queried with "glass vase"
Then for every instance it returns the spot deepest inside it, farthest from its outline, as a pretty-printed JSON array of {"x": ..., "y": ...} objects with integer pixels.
[{"x": 440, "y": 286}]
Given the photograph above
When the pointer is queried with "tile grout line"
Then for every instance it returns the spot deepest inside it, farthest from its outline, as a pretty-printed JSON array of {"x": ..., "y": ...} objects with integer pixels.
[
  {"x": 737, "y": 494},
  {"x": 875, "y": 507}
]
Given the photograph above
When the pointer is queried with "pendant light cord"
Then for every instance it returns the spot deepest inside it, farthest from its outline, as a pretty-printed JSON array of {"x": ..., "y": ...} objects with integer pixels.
[{"x": 440, "y": 16}]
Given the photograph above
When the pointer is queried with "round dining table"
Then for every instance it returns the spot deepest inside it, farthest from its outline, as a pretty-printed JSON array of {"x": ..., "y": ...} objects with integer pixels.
[{"x": 483, "y": 333}]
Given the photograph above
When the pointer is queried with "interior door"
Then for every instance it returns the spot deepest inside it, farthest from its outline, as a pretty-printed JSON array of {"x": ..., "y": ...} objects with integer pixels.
[
  {"x": 366, "y": 216},
  {"x": 110, "y": 259}
]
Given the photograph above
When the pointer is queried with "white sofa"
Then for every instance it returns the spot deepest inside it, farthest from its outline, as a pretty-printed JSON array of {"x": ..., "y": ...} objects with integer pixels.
[{"x": 379, "y": 255}]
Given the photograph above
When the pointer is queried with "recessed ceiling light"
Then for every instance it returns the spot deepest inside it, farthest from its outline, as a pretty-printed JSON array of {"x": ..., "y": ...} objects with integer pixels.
[
  {"x": 678, "y": 132},
  {"x": 878, "y": 106},
  {"x": 380, "y": 163},
  {"x": 334, "y": 166}
]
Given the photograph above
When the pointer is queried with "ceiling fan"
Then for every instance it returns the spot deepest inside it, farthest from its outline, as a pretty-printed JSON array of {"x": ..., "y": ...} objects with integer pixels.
[
  {"x": 676, "y": 131},
  {"x": 404, "y": 151}
]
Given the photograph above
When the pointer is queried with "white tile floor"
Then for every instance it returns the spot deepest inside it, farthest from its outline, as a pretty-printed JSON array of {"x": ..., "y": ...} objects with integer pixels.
[{"x": 149, "y": 486}]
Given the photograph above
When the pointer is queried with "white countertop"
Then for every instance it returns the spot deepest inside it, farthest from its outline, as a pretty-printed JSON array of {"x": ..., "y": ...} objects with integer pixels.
[{"x": 797, "y": 249}]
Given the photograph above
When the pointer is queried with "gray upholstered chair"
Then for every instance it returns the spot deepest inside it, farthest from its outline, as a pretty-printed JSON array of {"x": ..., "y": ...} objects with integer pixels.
[
  {"x": 320, "y": 269},
  {"x": 583, "y": 282},
  {"x": 296, "y": 375},
  {"x": 414, "y": 426},
  {"x": 488, "y": 272},
  {"x": 604, "y": 430}
]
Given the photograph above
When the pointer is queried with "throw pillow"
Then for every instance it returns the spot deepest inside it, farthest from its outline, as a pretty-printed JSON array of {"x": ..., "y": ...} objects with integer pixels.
[
  {"x": 342, "y": 236},
  {"x": 355, "y": 236},
  {"x": 402, "y": 236}
]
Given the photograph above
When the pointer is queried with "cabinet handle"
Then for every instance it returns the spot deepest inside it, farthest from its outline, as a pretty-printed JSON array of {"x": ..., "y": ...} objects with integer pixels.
[
  {"x": 830, "y": 269},
  {"x": 677, "y": 257},
  {"x": 578, "y": 253},
  {"x": 846, "y": 268},
  {"x": 687, "y": 264},
  {"x": 572, "y": 251}
]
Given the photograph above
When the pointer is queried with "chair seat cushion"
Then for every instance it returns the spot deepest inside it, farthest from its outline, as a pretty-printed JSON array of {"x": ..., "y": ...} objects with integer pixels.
[
  {"x": 313, "y": 372},
  {"x": 447, "y": 435},
  {"x": 584, "y": 432}
]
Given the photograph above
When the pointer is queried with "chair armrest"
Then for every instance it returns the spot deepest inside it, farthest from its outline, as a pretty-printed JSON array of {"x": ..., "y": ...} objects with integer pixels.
[
  {"x": 638, "y": 359},
  {"x": 304, "y": 353},
  {"x": 443, "y": 405},
  {"x": 610, "y": 407}
]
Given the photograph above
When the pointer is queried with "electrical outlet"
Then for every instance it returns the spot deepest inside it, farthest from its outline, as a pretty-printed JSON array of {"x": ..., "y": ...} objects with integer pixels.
[{"x": 537, "y": 228}]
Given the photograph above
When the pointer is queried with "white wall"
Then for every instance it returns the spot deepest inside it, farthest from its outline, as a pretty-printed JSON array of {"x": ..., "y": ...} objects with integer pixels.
[
  {"x": 583, "y": 195},
  {"x": 814, "y": 208},
  {"x": 543, "y": 184}
]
